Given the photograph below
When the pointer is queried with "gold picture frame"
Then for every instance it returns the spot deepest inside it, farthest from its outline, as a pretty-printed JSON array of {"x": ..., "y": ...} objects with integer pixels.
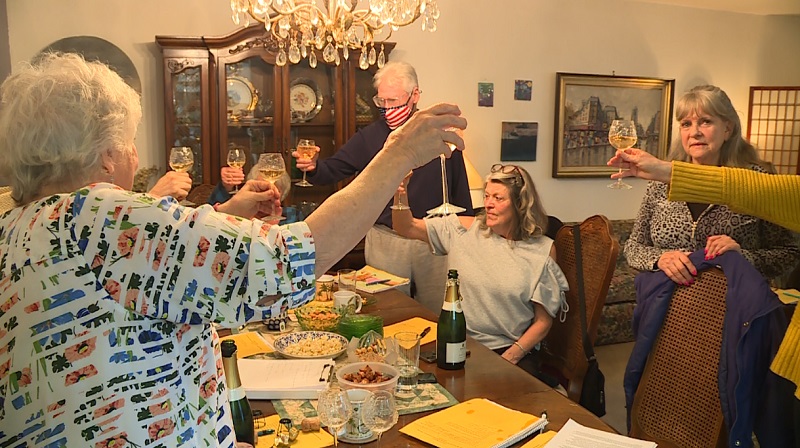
[{"x": 585, "y": 106}]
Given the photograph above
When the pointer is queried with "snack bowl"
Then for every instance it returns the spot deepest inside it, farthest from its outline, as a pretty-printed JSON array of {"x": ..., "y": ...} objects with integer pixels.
[
  {"x": 376, "y": 367},
  {"x": 318, "y": 318}
]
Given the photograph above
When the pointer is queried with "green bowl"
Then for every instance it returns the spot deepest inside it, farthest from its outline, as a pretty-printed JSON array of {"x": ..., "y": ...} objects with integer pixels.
[{"x": 357, "y": 325}]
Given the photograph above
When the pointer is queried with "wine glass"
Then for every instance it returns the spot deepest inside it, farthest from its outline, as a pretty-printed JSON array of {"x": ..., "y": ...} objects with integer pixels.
[
  {"x": 236, "y": 159},
  {"x": 621, "y": 135},
  {"x": 181, "y": 158},
  {"x": 271, "y": 167},
  {"x": 379, "y": 412},
  {"x": 446, "y": 208},
  {"x": 400, "y": 205},
  {"x": 334, "y": 409},
  {"x": 306, "y": 148}
]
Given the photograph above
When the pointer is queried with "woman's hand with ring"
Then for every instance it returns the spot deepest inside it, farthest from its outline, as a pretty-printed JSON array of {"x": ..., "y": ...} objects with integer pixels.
[{"x": 677, "y": 266}]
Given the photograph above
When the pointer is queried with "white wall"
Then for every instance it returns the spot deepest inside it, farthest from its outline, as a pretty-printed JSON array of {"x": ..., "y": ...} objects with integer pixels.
[{"x": 477, "y": 41}]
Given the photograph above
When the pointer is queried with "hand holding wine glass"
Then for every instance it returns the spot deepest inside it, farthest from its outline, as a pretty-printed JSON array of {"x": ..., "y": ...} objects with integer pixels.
[
  {"x": 621, "y": 135},
  {"x": 334, "y": 409},
  {"x": 402, "y": 193},
  {"x": 271, "y": 167},
  {"x": 236, "y": 159},
  {"x": 306, "y": 150},
  {"x": 181, "y": 158},
  {"x": 379, "y": 412}
]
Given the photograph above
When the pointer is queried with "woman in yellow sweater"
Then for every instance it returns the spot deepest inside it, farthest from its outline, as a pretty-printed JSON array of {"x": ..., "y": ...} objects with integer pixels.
[{"x": 773, "y": 197}]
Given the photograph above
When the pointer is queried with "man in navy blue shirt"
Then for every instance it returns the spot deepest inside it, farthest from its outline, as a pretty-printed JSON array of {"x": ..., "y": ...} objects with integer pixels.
[{"x": 398, "y": 94}]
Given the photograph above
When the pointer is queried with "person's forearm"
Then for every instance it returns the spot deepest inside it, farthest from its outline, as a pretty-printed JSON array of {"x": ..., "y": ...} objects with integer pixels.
[
  {"x": 773, "y": 197},
  {"x": 345, "y": 217}
]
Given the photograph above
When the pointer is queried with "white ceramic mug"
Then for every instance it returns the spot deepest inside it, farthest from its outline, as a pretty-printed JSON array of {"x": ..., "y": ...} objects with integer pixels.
[{"x": 348, "y": 299}]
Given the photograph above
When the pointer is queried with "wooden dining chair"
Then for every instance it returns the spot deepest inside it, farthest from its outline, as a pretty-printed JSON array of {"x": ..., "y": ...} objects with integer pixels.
[
  {"x": 562, "y": 351},
  {"x": 200, "y": 194},
  {"x": 677, "y": 403}
]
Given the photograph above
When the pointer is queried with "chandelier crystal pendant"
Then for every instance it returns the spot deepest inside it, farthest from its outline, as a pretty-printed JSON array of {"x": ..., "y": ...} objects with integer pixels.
[{"x": 299, "y": 26}]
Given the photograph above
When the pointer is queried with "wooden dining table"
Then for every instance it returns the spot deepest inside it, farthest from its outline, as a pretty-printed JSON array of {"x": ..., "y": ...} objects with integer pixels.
[{"x": 485, "y": 375}]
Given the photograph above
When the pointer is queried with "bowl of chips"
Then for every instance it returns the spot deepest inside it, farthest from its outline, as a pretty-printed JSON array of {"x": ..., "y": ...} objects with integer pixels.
[
  {"x": 371, "y": 376},
  {"x": 318, "y": 318}
]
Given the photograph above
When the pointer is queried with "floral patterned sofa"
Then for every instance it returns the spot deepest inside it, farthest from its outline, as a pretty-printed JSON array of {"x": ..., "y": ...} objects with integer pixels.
[{"x": 615, "y": 322}]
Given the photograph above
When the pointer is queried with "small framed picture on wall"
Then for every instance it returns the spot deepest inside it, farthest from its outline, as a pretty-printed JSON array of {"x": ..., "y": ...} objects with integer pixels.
[{"x": 518, "y": 142}]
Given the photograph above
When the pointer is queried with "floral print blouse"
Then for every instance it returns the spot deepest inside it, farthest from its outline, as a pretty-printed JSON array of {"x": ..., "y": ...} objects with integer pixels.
[{"x": 107, "y": 300}]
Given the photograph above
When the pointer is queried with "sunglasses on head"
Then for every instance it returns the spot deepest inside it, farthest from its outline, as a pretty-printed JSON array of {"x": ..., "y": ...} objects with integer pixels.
[{"x": 510, "y": 170}]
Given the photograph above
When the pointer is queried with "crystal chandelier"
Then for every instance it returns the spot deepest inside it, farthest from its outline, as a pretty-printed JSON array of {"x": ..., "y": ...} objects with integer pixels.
[{"x": 338, "y": 27}]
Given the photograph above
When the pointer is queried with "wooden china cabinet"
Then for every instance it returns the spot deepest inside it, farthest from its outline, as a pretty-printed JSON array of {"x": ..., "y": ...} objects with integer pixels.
[{"x": 223, "y": 92}]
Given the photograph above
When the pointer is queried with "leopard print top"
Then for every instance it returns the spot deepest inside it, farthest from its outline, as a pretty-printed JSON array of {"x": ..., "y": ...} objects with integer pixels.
[{"x": 663, "y": 226}]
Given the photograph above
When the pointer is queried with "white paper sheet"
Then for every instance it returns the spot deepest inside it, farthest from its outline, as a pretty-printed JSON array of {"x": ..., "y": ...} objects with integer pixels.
[{"x": 575, "y": 435}]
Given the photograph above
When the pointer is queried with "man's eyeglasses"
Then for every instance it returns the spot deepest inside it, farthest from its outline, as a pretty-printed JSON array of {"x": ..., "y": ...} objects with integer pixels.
[
  {"x": 391, "y": 102},
  {"x": 511, "y": 170}
]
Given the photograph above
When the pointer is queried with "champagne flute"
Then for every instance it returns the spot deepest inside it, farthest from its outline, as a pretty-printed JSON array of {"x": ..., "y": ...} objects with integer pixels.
[
  {"x": 236, "y": 159},
  {"x": 379, "y": 412},
  {"x": 446, "y": 208},
  {"x": 271, "y": 167},
  {"x": 621, "y": 135},
  {"x": 181, "y": 158},
  {"x": 334, "y": 409},
  {"x": 306, "y": 148}
]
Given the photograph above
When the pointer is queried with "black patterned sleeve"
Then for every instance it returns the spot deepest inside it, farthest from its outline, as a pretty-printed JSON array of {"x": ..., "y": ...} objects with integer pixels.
[
  {"x": 640, "y": 252},
  {"x": 779, "y": 252}
]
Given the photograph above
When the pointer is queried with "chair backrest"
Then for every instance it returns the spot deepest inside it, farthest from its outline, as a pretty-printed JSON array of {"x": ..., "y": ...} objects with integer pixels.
[
  {"x": 562, "y": 350},
  {"x": 200, "y": 194},
  {"x": 677, "y": 402},
  {"x": 553, "y": 226}
]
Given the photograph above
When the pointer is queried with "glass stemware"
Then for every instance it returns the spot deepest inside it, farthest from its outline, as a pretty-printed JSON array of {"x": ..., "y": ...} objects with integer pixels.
[
  {"x": 181, "y": 158},
  {"x": 334, "y": 409},
  {"x": 621, "y": 135},
  {"x": 379, "y": 412},
  {"x": 446, "y": 208},
  {"x": 236, "y": 159},
  {"x": 271, "y": 167},
  {"x": 400, "y": 204},
  {"x": 307, "y": 149}
]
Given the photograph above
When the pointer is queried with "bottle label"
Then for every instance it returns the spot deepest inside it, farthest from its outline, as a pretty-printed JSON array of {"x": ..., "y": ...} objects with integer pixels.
[
  {"x": 452, "y": 306},
  {"x": 236, "y": 394},
  {"x": 456, "y": 352}
]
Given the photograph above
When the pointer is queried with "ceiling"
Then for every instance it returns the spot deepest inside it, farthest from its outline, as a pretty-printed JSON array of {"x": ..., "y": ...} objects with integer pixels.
[{"x": 760, "y": 7}]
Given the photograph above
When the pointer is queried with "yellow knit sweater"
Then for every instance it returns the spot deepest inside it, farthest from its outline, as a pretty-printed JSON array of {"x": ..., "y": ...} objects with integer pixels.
[{"x": 772, "y": 197}]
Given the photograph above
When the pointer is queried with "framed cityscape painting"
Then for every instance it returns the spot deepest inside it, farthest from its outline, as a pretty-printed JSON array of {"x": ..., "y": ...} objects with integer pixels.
[{"x": 587, "y": 104}]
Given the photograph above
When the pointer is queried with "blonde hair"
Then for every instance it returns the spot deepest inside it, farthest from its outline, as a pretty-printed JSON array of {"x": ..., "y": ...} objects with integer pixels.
[
  {"x": 711, "y": 100},
  {"x": 530, "y": 218},
  {"x": 57, "y": 118}
]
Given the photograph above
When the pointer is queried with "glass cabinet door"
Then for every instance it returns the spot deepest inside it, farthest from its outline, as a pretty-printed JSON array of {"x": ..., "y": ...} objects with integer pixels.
[
  {"x": 187, "y": 117},
  {"x": 250, "y": 89},
  {"x": 312, "y": 107}
]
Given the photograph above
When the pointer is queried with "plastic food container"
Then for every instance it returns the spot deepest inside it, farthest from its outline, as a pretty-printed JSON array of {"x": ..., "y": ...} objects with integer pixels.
[{"x": 386, "y": 369}]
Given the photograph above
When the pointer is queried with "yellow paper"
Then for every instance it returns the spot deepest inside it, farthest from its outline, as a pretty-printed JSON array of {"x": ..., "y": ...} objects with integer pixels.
[
  {"x": 318, "y": 439},
  {"x": 540, "y": 440},
  {"x": 248, "y": 344},
  {"x": 788, "y": 296},
  {"x": 416, "y": 325},
  {"x": 477, "y": 423}
]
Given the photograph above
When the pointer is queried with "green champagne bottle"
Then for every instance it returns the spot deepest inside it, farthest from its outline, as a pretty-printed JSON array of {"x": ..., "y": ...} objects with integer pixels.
[
  {"x": 451, "y": 332},
  {"x": 241, "y": 413}
]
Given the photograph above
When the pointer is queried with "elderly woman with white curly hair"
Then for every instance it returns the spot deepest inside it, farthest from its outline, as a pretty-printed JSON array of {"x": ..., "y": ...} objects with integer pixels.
[{"x": 107, "y": 297}]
